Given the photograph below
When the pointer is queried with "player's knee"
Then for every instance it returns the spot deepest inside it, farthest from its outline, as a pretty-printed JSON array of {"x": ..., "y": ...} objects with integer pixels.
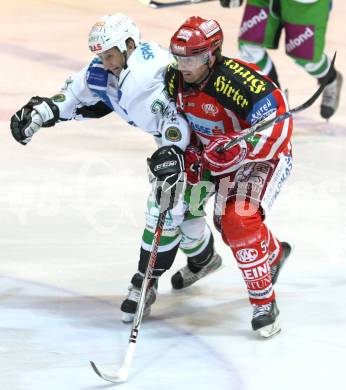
[
  {"x": 252, "y": 53},
  {"x": 240, "y": 223},
  {"x": 194, "y": 227}
]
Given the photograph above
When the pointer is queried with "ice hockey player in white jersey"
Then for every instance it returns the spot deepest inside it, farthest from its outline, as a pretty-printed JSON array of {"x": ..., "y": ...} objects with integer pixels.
[{"x": 127, "y": 77}]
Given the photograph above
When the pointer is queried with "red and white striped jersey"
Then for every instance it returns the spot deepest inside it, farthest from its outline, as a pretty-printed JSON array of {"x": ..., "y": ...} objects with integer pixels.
[{"x": 234, "y": 97}]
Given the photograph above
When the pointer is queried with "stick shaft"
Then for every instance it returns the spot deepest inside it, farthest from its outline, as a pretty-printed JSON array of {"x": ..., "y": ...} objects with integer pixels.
[{"x": 141, "y": 303}]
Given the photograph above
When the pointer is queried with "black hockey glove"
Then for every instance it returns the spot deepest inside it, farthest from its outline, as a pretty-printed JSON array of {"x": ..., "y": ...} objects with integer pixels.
[
  {"x": 231, "y": 3},
  {"x": 38, "y": 112},
  {"x": 166, "y": 171}
]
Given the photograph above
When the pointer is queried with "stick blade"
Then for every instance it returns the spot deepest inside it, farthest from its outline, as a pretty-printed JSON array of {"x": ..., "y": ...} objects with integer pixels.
[{"x": 120, "y": 377}]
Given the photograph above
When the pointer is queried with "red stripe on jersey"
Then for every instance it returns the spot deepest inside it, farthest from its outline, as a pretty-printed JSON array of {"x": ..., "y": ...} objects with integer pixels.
[{"x": 276, "y": 139}]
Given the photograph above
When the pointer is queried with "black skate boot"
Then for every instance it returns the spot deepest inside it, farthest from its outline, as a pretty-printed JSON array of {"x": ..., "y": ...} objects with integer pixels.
[
  {"x": 331, "y": 97},
  {"x": 129, "y": 305},
  {"x": 275, "y": 269},
  {"x": 264, "y": 319},
  {"x": 192, "y": 272}
]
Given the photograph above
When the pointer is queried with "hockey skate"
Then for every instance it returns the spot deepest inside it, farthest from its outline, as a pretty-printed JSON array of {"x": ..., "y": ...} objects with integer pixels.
[
  {"x": 331, "y": 97},
  {"x": 129, "y": 305},
  {"x": 275, "y": 269},
  {"x": 186, "y": 277},
  {"x": 264, "y": 319}
]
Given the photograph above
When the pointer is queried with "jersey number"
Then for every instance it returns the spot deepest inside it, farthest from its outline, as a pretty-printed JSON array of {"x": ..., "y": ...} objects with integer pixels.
[{"x": 158, "y": 107}]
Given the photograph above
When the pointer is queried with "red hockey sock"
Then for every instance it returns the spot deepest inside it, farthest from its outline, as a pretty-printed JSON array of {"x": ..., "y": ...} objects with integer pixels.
[{"x": 248, "y": 238}]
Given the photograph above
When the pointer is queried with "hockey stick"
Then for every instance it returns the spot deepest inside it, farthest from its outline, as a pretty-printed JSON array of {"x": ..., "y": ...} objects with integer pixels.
[
  {"x": 158, "y": 4},
  {"x": 265, "y": 124},
  {"x": 122, "y": 374}
]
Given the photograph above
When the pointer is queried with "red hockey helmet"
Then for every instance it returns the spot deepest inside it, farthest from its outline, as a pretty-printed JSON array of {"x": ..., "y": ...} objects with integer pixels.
[{"x": 195, "y": 36}]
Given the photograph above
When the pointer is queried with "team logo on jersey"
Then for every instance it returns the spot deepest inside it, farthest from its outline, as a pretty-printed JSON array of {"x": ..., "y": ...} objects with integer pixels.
[
  {"x": 210, "y": 109},
  {"x": 247, "y": 255},
  {"x": 205, "y": 126},
  {"x": 173, "y": 134},
  {"x": 60, "y": 97}
]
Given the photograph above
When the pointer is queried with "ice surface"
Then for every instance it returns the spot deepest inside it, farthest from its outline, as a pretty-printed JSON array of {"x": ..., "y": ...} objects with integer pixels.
[{"x": 71, "y": 217}]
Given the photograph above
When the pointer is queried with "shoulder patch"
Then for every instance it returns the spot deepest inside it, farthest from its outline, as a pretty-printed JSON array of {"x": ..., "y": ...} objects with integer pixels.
[
  {"x": 173, "y": 134},
  {"x": 59, "y": 98}
]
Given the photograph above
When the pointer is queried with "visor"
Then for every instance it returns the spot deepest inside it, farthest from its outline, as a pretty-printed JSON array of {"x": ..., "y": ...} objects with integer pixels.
[{"x": 189, "y": 63}]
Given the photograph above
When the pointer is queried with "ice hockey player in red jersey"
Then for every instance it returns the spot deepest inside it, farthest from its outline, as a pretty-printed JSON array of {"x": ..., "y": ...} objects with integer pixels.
[{"x": 220, "y": 97}]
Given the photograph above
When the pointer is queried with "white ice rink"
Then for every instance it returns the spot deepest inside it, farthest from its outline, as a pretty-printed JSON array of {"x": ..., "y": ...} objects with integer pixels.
[{"x": 71, "y": 218}]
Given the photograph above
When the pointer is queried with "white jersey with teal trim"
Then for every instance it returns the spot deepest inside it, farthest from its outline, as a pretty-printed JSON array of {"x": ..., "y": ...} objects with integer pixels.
[{"x": 137, "y": 95}]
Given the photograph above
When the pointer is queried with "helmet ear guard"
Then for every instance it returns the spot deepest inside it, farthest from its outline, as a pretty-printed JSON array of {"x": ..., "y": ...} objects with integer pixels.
[{"x": 113, "y": 31}]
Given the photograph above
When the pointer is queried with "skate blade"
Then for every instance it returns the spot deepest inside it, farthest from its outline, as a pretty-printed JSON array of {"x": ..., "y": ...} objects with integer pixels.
[{"x": 270, "y": 330}]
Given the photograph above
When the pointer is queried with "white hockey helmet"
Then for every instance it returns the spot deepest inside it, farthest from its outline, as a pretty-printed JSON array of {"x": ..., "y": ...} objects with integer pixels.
[{"x": 112, "y": 30}]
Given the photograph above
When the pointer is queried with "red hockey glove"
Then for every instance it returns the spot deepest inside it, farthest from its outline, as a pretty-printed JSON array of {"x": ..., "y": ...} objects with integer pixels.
[
  {"x": 193, "y": 164},
  {"x": 219, "y": 161}
]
